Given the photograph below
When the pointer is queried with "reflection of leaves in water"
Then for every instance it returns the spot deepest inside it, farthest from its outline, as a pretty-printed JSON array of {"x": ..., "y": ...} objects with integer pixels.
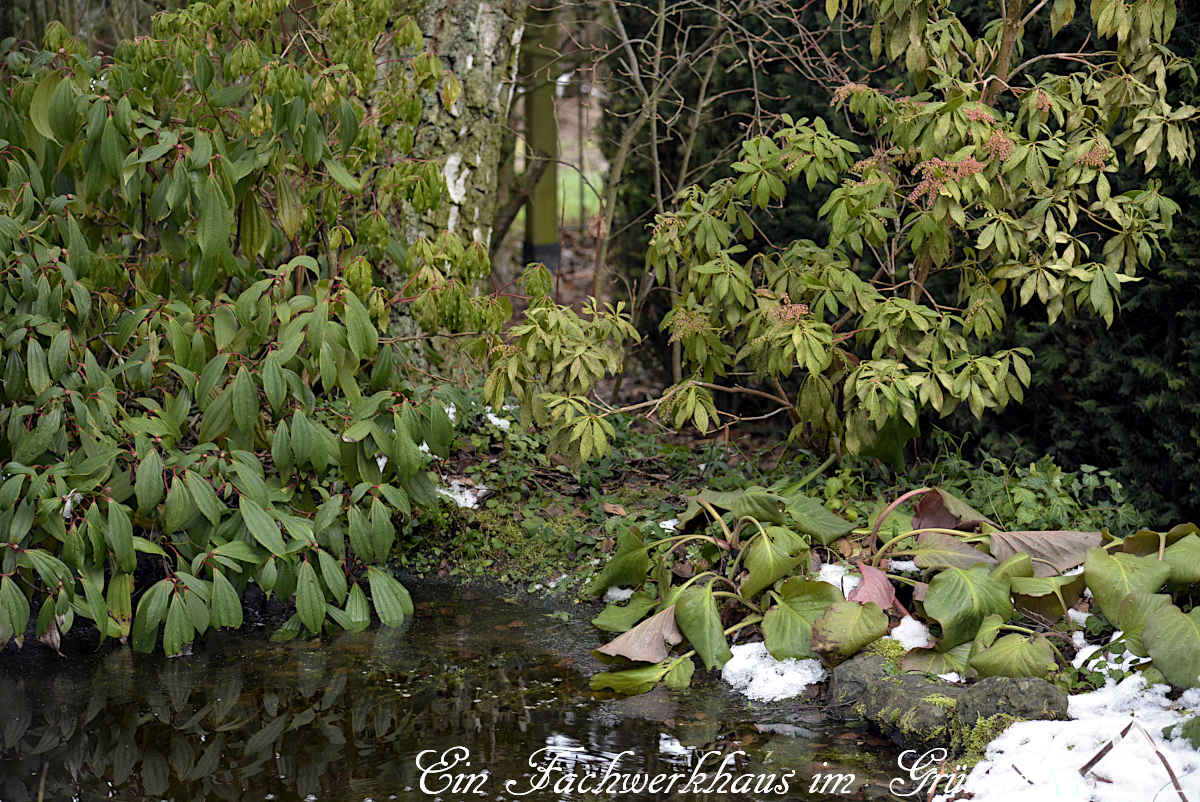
[{"x": 282, "y": 719}]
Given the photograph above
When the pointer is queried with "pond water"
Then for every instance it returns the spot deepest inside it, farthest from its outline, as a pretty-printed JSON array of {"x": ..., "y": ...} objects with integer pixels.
[{"x": 349, "y": 718}]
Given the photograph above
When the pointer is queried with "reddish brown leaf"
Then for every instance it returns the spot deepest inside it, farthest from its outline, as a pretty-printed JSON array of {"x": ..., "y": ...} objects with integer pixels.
[
  {"x": 941, "y": 510},
  {"x": 1062, "y": 549},
  {"x": 648, "y": 642},
  {"x": 874, "y": 587}
]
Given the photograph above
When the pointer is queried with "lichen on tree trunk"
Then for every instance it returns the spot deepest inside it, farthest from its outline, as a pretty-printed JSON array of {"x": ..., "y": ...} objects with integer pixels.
[{"x": 478, "y": 41}]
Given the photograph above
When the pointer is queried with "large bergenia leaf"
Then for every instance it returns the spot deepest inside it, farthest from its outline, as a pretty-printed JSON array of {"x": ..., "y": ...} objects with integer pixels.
[
  {"x": 939, "y": 550},
  {"x": 773, "y": 554},
  {"x": 1173, "y": 641},
  {"x": 788, "y": 626},
  {"x": 698, "y": 618},
  {"x": 961, "y": 599},
  {"x": 648, "y": 642},
  {"x": 1016, "y": 656},
  {"x": 628, "y": 566},
  {"x": 815, "y": 520},
  {"x": 845, "y": 628},
  {"x": 1052, "y": 551},
  {"x": 1111, "y": 576}
]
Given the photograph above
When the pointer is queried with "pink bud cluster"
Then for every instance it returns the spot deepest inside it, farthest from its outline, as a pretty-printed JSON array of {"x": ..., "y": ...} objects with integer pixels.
[
  {"x": 999, "y": 146},
  {"x": 1094, "y": 157},
  {"x": 936, "y": 172}
]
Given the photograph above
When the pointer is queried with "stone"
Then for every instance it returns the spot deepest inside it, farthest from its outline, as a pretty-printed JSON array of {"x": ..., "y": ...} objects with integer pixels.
[{"x": 1023, "y": 698}]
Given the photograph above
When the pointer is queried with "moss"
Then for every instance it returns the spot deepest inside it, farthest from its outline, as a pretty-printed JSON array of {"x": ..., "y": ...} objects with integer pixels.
[
  {"x": 972, "y": 742},
  {"x": 890, "y": 649},
  {"x": 941, "y": 700}
]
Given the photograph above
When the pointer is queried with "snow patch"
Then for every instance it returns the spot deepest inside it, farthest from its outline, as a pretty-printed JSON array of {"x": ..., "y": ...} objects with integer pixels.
[
  {"x": 496, "y": 420},
  {"x": 911, "y": 634},
  {"x": 1080, "y": 618},
  {"x": 837, "y": 575},
  {"x": 1040, "y": 760},
  {"x": 753, "y": 672},
  {"x": 951, "y": 676},
  {"x": 669, "y": 524},
  {"x": 615, "y": 594},
  {"x": 463, "y": 494},
  {"x": 904, "y": 566}
]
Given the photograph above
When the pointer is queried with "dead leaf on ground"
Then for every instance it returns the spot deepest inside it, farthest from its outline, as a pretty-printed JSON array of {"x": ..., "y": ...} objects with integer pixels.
[
  {"x": 648, "y": 642},
  {"x": 614, "y": 509}
]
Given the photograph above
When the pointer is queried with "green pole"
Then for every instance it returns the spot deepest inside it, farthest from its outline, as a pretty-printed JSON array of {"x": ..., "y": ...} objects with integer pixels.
[{"x": 541, "y": 136}]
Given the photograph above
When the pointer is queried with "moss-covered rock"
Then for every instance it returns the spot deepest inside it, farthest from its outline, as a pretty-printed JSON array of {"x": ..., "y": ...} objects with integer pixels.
[{"x": 920, "y": 712}]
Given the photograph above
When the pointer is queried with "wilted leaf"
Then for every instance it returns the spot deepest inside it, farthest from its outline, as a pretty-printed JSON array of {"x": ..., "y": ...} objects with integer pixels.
[
  {"x": 938, "y": 509},
  {"x": 812, "y": 518},
  {"x": 631, "y": 681},
  {"x": 1052, "y": 551},
  {"x": 843, "y": 629},
  {"x": 874, "y": 587},
  {"x": 649, "y": 641}
]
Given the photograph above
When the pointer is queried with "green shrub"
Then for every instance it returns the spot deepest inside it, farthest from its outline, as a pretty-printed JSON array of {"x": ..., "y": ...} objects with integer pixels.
[{"x": 196, "y": 392}]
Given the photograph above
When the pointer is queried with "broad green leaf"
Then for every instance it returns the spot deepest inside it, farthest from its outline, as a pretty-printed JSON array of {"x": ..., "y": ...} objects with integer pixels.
[
  {"x": 1016, "y": 656},
  {"x": 334, "y": 576},
  {"x": 1048, "y": 596},
  {"x": 238, "y": 550},
  {"x": 339, "y": 173},
  {"x": 392, "y": 602},
  {"x": 845, "y": 628},
  {"x": 245, "y": 401},
  {"x": 1183, "y": 558},
  {"x": 931, "y": 661},
  {"x": 358, "y": 610},
  {"x": 148, "y": 481},
  {"x": 632, "y": 681},
  {"x": 119, "y": 534},
  {"x": 310, "y": 599},
  {"x": 1136, "y": 609},
  {"x": 788, "y": 625},
  {"x": 699, "y": 620},
  {"x": 360, "y": 332},
  {"x": 14, "y": 611},
  {"x": 213, "y": 226},
  {"x": 680, "y": 675},
  {"x": 39, "y": 108},
  {"x": 960, "y": 600},
  {"x": 628, "y": 566},
  {"x": 772, "y": 554},
  {"x": 1111, "y": 576},
  {"x": 205, "y": 497},
  {"x": 1173, "y": 641},
  {"x": 812, "y": 518},
  {"x": 1014, "y": 566},
  {"x": 120, "y": 609},
  {"x": 150, "y": 611},
  {"x": 620, "y": 617},
  {"x": 262, "y": 527},
  {"x": 226, "y": 605},
  {"x": 178, "y": 630},
  {"x": 939, "y": 550}
]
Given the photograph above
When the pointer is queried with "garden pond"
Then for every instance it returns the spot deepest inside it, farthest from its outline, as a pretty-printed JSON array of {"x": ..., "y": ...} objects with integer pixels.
[{"x": 247, "y": 719}]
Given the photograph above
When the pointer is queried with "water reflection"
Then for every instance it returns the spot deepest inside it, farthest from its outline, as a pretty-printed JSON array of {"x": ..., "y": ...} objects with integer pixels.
[{"x": 245, "y": 719}]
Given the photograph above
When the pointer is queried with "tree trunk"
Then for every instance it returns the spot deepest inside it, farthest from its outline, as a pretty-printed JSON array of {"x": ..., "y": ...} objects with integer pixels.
[
  {"x": 541, "y": 137},
  {"x": 477, "y": 40}
]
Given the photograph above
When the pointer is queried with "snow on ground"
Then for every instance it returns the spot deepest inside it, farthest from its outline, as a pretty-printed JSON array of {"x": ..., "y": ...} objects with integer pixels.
[
  {"x": 669, "y": 524},
  {"x": 451, "y": 412},
  {"x": 1078, "y": 617},
  {"x": 496, "y": 420},
  {"x": 904, "y": 566},
  {"x": 755, "y": 673},
  {"x": 911, "y": 634},
  {"x": 615, "y": 594},
  {"x": 837, "y": 575},
  {"x": 463, "y": 494},
  {"x": 1039, "y": 761}
]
